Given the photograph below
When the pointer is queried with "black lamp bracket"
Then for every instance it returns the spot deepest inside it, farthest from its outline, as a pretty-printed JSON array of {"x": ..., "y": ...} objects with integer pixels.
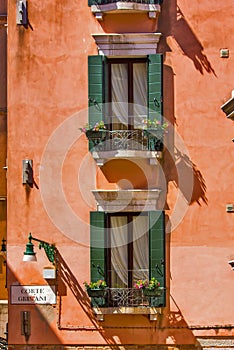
[{"x": 48, "y": 248}]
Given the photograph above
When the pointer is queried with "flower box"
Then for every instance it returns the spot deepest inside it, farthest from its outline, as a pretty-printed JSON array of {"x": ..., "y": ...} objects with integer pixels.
[
  {"x": 155, "y": 139},
  {"x": 96, "y": 135},
  {"x": 152, "y": 292},
  {"x": 96, "y": 138},
  {"x": 96, "y": 293}
]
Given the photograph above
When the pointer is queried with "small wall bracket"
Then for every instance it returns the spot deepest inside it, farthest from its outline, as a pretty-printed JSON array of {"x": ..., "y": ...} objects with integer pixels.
[
  {"x": 21, "y": 12},
  {"x": 230, "y": 208},
  {"x": 25, "y": 324},
  {"x": 27, "y": 169}
]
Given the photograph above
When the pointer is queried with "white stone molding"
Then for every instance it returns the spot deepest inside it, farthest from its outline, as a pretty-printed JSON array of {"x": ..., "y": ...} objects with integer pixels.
[
  {"x": 126, "y": 200},
  {"x": 127, "y": 44},
  {"x": 102, "y": 156}
]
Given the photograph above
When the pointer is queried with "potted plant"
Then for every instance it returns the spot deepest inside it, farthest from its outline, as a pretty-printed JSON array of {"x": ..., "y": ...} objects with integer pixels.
[
  {"x": 95, "y": 133},
  {"x": 96, "y": 289},
  {"x": 149, "y": 288},
  {"x": 154, "y": 131}
]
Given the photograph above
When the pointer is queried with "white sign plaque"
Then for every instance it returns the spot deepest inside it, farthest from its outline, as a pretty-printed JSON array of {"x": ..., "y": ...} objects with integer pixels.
[{"x": 33, "y": 295}]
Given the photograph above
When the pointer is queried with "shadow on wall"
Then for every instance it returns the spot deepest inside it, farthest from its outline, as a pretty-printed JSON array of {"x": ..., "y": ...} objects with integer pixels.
[
  {"x": 177, "y": 165},
  {"x": 172, "y": 23},
  {"x": 43, "y": 317},
  {"x": 186, "y": 177},
  {"x": 66, "y": 279},
  {"x": 115, "y": 330},
  {"x": 40, "y": 315},
  {"x": 118, "y": 329}
]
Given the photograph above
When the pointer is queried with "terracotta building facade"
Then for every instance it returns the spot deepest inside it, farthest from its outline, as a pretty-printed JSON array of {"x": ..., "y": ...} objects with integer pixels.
[{"x": 119, "y": 167}]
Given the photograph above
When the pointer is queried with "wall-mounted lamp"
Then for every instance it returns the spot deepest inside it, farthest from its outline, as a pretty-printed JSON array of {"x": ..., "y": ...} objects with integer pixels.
[{"x": 30, "y": 255}]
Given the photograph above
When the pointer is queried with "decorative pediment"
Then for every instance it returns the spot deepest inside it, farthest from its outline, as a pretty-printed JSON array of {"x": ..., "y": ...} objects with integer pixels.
[
  {"x": 126, "y": 200},
  {"x": 127, "y": 44}
]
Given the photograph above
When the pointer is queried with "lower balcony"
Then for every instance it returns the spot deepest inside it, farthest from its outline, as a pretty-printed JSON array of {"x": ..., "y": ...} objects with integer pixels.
[
  {"x": 128, "y": 301},
  {"x": 105, "y": 144}
]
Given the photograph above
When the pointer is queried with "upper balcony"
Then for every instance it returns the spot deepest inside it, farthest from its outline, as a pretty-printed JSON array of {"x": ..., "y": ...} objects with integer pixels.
[
  {"x": 101, "y": 7},
  {"x": 137, "y": 143},
  {"x": 127, "y": 301}
]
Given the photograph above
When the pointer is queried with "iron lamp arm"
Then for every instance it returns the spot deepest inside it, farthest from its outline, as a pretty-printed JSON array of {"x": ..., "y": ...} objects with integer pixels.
[{"x": 48, "y": 248}]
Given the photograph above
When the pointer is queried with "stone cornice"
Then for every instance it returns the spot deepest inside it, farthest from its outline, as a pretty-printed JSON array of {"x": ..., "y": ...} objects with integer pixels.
[
  {"x": 126, "y": 200},
  {"x": 127, "y": 44}
]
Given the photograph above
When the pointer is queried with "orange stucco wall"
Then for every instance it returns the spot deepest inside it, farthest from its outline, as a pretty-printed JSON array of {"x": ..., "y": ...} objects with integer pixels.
[
  {"x": 47, "y": 103},
  {"x": 3, "y": 144}
]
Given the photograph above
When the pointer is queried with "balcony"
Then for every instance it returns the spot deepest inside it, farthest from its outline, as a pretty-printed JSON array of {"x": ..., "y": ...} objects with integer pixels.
[
  {"x": 127, "y": 301},
  {"x": 100, "y": 7},
  {"x": 105, "y": 144}
]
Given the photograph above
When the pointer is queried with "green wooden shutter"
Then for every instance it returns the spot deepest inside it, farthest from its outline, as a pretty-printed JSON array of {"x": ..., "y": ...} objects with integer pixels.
[
  {"x": 97, "y": 245},
  {"x": 95, "y": 2},
  {"x": 155, "y": 107},
  {"x": 157, "y": 250},
  {"x": 96, "y": 88}
]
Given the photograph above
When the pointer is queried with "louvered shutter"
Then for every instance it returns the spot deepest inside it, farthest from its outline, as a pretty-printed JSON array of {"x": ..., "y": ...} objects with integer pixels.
[
  {"x": 95, "y": 2},
  {"x": 157, "y": 251},
  {"x": 155, "y": 106},
  {"x": 97, "y": 245}
]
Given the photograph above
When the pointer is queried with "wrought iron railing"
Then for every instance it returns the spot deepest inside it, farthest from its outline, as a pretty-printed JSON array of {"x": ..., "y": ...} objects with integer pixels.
[
  {"x": 128, "y": 297},
  {"x": 103, "y": 2},
  {"x": 105, "y": 140}
]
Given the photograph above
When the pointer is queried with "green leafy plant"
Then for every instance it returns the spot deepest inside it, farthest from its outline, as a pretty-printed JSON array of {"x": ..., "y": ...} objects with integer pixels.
[
  {"x": 154, "y": 124},
  {"x": 100, "y": 284},
  {"x": 95, "y": 127},
  {"x": 152, "y": 284}
]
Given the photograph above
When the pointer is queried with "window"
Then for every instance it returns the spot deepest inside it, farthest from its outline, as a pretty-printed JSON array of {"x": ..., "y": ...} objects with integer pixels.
[
  {"x": 125, "y": 247},
  {"x": 127, "y": 92},
  {"x": 122, "y": 91}
]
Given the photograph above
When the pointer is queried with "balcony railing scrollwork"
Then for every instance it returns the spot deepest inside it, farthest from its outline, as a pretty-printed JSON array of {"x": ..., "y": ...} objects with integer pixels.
[
  {"x": 144, "y": 140},
  {"x": 127, "y": 297}
]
